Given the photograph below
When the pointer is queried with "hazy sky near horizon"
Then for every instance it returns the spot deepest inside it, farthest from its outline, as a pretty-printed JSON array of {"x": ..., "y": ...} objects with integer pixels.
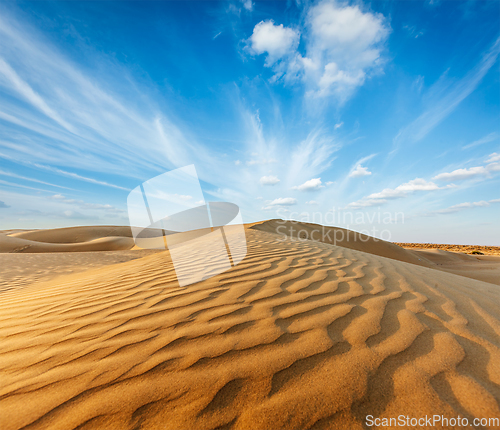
[{"x": 288, "y": 109}]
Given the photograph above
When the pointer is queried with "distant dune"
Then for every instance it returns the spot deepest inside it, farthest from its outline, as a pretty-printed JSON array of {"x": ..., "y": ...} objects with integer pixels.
[
  {"x": 466, "y": 249},
  {"x": 72, "y": 239},
  {"x": 302, "y": 334}
]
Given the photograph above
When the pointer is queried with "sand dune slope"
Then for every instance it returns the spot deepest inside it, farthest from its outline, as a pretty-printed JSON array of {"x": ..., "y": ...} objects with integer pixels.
[
  {"x": 300, "y": 335},
  {"x": 483, "y": 267},
  {"x": 340, "y": 237}
]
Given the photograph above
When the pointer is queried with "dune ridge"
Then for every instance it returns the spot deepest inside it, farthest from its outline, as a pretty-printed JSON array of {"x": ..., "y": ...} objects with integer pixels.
[
  {"x": 300, "y": 335},
  {"x": 12, "y": 243}
]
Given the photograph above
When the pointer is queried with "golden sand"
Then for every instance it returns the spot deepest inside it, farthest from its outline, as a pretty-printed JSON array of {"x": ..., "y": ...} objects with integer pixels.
[{"x": 300, "y": 335}]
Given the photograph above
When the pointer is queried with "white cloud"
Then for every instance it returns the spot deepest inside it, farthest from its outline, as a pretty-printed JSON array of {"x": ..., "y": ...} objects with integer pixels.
[
  {"x": 310, "y": 185},
  {"x": 339, "y": 28},
  {"x": 364, "y": 203},
  {"x": 461, "y": 174},
  {"x": 276, "y": 41},
  {"x": 472, "y": 172},
  {"x": 283, "y": 201},
  {"x": 359, "y": 171},
  {"x": 269, "y": 180},
  {"x": 343, "y": 46},
  {"x": 337, "y": 126},
  {"x": 312, "y": 202},
  {"x": 403, "y": 190}
]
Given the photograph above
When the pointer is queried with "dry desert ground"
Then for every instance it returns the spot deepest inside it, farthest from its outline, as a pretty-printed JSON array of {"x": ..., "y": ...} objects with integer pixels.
[{"x": 302, "y": 334}]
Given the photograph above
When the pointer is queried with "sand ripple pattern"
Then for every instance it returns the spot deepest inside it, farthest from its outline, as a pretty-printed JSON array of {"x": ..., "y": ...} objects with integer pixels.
[{"x": 300, "y": 335}]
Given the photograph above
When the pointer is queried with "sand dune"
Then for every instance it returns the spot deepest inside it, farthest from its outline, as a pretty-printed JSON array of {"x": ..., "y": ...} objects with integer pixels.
[
  {"x": 75, "y": 239},
  {"x": 73, "y": 234},
  {"x": 16, "y": 244},
  {"x": 71, "y": 239},
  {"x": 300, "y": 335},
  {"x": 483, "y": 267},
  {"x": 465, "y": 249},
  {"x": 340, "y": 237}
]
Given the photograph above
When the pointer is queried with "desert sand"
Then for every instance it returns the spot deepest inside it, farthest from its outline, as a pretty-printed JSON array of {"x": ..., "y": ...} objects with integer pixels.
[
  {"x": 302, "y": 334},
  {"x": 464, "y": 249}
]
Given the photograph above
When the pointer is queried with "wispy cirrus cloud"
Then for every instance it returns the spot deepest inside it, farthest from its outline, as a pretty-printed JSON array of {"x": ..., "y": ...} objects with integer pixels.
[
  {"x": 444, "y": 96},
  {"x": 75, "y": 118},
  {"x": 26, "y": 178},
  {"x": 486, "y": 139},
  {"x": 85, "y": 205},
  {"x": 463, "y": 206},
  {"x": 493, "y": 158}
]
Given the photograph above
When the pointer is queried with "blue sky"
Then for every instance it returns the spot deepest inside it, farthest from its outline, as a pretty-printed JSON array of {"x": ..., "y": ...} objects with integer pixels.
[{"x": 345, "y": 113}]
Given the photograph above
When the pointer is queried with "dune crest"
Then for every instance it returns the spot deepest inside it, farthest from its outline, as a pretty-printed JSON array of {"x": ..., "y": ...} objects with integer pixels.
[
  {"x": 299, "y": 335},
  {"x": 340, "y": 237}
]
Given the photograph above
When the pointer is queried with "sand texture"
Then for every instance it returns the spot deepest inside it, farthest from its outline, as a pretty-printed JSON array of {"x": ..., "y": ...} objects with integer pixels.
[{"x": 300, "y": 335}]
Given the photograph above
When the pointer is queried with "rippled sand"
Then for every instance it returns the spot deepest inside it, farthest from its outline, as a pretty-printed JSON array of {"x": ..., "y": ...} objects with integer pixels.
[{"x": 300, "y": 335}]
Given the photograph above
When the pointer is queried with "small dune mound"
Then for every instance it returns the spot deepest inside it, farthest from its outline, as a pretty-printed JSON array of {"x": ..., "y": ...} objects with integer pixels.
[
  {"x": 300, "y": 335},
  {"x": 16, "y": 244},
  {"x": 71, "y": 239},
  {"x": 74, "y": 234}
]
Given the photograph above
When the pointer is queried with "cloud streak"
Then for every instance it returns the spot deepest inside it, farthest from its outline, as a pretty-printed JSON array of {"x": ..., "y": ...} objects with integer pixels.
[
  {"x": 401, "y": 191},
  {"x": 472, "y": 172},
  {"x": 446, "y": 96}
]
